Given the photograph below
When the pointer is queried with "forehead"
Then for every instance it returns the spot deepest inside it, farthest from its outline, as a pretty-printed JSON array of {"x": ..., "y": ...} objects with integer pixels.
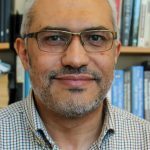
[{"x": 75, "y": 15}]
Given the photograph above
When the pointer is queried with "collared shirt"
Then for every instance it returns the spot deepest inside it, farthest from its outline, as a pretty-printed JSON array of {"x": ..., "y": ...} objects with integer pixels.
[{"x": 21, "y": 128}]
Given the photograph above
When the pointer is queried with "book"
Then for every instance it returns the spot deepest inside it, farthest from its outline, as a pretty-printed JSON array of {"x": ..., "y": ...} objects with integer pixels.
[
  {"x": 137, "y": 90},
  {"x": 118, "y": 89},
  {"x": 135, "y": 22},
  {"x": 119, "y": 11},
  {"x": 4, "y": 67},
  {"x": 127, "y": 90},
  {"x": 7, "y": 14},
  {"x": 4, "y": 92},
  {"x": 126, "y": 21},
  {"x": 142, "y": 24},
  {"x": 20, "y": 77},
  {"x": 15, "y": 25},
  {"x": 22, "y": 80},
  {"x": 147, "y": 25},
  {"x": 2, "y": 20},
  {"x": 147, "y": 95},
  {"x": 146, "y": 65},
  {"x": 27, "y": 84}
]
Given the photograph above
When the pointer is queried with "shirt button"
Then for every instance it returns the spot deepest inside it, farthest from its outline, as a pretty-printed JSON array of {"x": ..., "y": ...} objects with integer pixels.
[{"x": 55, "y": 147}]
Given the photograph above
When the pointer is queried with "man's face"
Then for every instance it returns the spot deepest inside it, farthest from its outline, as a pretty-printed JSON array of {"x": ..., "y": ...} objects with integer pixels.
[{"x": 75, "y": 82}]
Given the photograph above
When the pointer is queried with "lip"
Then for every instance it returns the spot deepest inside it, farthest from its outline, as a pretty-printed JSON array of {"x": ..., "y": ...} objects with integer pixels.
[{"x": 75, "y": 80}]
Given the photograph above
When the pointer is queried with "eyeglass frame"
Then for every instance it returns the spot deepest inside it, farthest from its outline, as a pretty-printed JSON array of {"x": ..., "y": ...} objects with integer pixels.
[{"x": 35, "y": 35}]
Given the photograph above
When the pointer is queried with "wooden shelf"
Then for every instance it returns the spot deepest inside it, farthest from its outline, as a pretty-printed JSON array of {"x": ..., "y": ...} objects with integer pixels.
[
  {"x": 4, "y": 46},
  {"x": 135, "y": 50}
]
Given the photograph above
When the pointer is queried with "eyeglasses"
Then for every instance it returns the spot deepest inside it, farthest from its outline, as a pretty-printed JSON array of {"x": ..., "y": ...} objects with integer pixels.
[{"x": 57, "y": 41}]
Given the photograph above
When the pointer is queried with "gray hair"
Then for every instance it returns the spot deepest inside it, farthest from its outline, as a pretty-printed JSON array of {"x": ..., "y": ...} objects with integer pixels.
[{"x": 28, "y": 15}]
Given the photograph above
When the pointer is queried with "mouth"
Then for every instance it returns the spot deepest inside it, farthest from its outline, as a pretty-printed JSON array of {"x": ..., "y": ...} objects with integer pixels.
[{"x": 74, "y": 80}]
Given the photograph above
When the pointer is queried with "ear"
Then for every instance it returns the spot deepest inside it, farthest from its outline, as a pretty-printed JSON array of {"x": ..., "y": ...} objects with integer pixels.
[
  {"x": 22, "y": 52},
  {"x": 117, "y": 51}
]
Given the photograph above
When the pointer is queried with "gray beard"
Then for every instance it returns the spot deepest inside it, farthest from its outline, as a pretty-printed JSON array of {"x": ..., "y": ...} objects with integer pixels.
[{"x": 70, "y": 108}]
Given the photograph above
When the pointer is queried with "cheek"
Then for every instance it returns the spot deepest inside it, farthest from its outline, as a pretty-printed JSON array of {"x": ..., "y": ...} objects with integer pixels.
[
  {"x": 41, "y": 66},
  {"x": 45, "y": 62},
  {"x": 105, "y": 62},
  {"x": 40, "y": 60}
]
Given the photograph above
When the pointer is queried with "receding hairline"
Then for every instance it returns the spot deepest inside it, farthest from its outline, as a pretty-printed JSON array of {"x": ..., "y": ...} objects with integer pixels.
[
  {"x": 31, "y": 11},
  {"x": 28, "y": 16}
]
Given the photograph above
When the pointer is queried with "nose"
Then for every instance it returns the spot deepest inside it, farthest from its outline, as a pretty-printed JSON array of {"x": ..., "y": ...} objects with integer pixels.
[{"x": 75, "y": 55}]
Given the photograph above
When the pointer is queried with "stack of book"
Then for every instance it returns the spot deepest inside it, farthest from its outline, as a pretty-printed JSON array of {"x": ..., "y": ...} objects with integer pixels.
[
  {"x": 134, "y": 22},
  {"x": 131, "y": 90}
]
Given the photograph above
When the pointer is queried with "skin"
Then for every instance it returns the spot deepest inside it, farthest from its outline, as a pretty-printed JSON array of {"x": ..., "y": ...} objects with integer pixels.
[{"x": 70, "y": 91}]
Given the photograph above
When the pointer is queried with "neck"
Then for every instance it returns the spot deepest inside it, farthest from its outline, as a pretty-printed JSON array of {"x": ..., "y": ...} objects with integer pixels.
[{"x": 73, "y": 134}]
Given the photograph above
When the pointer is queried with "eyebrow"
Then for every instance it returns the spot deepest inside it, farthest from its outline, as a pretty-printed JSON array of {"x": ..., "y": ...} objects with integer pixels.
[
  {"x": 66, "y": 29},
  {"x": 97, "y": 28},
  {"x": 54, "y": 28}
]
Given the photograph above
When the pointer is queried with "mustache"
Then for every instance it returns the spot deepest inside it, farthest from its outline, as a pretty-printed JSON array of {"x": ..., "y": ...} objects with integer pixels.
[{"x": 70, "y": 70}]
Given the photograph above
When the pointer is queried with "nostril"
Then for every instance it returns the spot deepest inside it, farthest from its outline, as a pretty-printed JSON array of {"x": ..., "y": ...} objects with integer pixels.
[{"x": 74, "y": 59}]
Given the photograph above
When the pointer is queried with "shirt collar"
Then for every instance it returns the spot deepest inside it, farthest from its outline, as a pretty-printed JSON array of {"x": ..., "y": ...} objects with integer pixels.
[
  {"x": 109, "y": 126},
  {"x": 37, "y": 125},
  {"x": 35, "y": 121}
]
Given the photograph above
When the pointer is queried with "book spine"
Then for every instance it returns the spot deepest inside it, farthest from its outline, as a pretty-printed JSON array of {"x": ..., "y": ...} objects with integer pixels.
[
  {"x": 119, "y": 11},
  {"x": 147, "y": 95},
  {"x": 147, "y": 26},
  {"x": 142, "y": 24},
  {"x": 19, "y": 79},
  {"x": 27, "y": 84},
  {"x": 127, "y": 90},
  {"x": 2, "y": 20},
  {"x": 137, "y": 79},
  {"x": 126, "y": 21},
  {"x": 7, "y": 13},
  {"x": 135, "y": 22},
  {"x": 118, "y": 89},
  {"x": 4, "y": 96}
]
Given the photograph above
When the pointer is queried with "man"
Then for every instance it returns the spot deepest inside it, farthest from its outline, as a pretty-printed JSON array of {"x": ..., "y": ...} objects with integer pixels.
[{"x": 70, "y": 49}]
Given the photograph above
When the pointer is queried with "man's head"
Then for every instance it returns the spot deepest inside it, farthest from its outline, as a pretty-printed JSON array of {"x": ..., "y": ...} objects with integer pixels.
[{"x": 71, "y": 70}]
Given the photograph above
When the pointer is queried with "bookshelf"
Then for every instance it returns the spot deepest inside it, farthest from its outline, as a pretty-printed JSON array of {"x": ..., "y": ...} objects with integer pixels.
[
  {"x": 4, "y": 46},
  {"x": 129, "y": 55},
  {"x": 135, "y": 50}
]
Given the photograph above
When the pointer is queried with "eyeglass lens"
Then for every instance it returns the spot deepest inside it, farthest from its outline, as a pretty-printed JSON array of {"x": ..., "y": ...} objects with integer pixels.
[{"x": 57, "y": 41}]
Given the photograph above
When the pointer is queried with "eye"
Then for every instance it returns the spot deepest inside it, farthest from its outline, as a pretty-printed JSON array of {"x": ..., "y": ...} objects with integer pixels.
[
  {"x": 96, "y": 38},
  {"x": 53, "y": 38}
]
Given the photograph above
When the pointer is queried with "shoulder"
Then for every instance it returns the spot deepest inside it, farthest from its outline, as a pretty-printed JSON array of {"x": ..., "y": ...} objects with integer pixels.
[
  {"x": 126, "y": 120},
  {"x": 130, "y": 132},
  {"x": 12, "y": 111}
]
